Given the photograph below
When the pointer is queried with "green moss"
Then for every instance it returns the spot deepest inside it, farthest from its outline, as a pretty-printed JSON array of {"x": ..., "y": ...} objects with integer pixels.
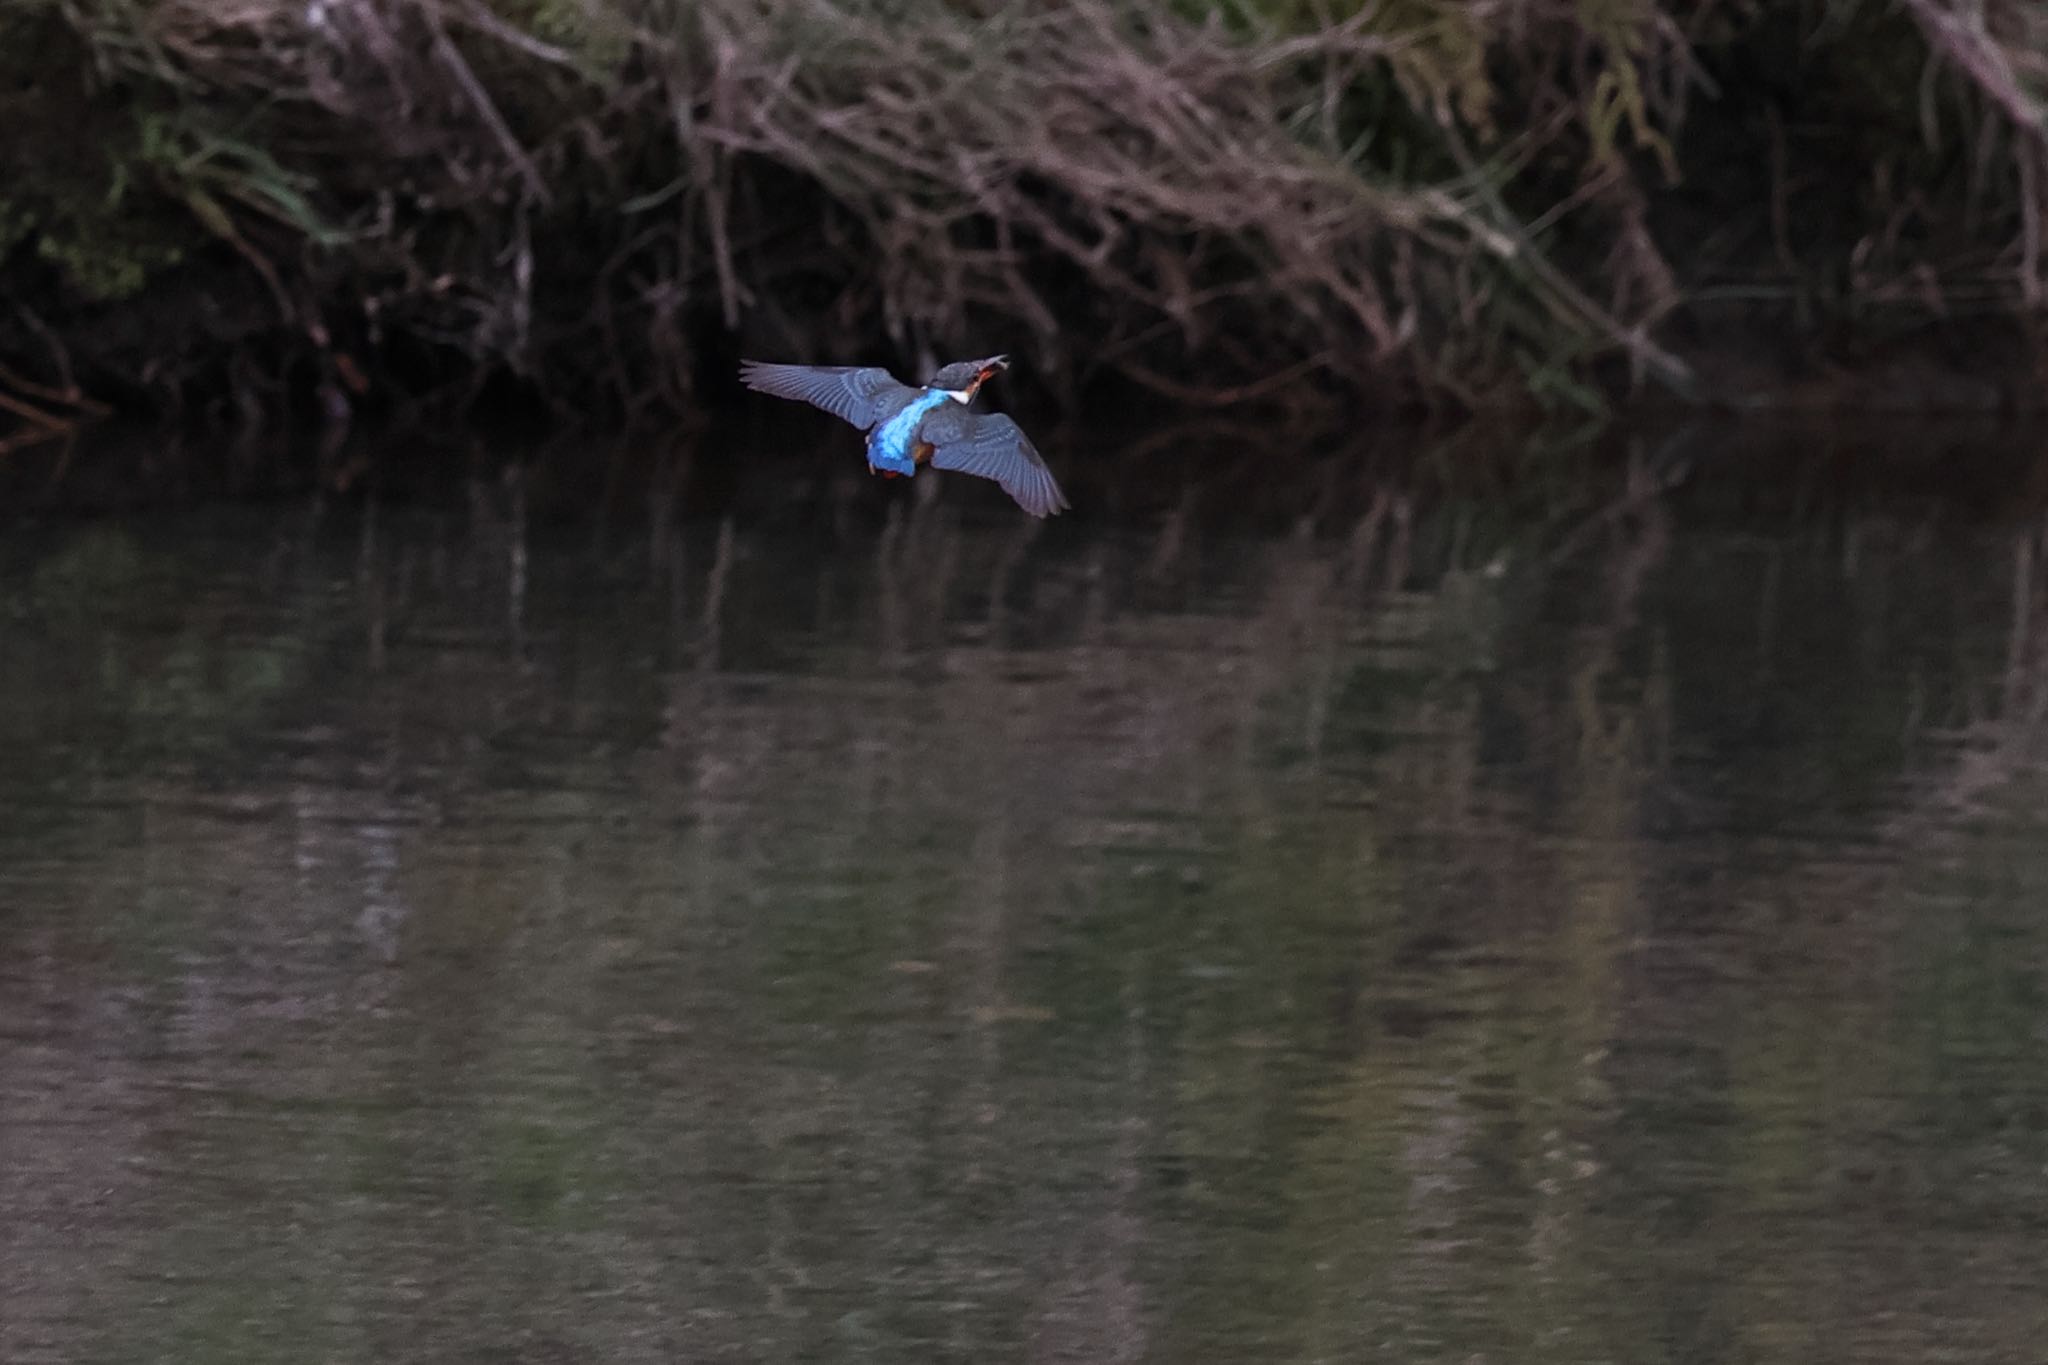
[
  {"x": 107, "y": 261},
  {"x": 81, "y": 175}
]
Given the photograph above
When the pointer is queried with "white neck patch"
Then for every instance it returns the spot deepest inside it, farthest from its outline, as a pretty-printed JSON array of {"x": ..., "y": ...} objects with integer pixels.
[{"x": 958, "y": 395}]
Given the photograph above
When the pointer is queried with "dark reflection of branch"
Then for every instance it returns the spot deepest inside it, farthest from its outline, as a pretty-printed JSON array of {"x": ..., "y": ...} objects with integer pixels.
[
  {"x": 713, "y": 618},
  {"x": 1648, "y": 481},
  {"x": 2022, "y": 652},
  {"x": 370, "y": 570},
  {"x": 1998, "y": 749},
  {"x": 1093, "y": 1309},
  {"x": 516, "y": 519}
]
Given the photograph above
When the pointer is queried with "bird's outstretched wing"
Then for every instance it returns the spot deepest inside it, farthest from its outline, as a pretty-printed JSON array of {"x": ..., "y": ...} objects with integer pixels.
[
  {"x": 992, "y": 446},
  {"x": 860, "y": 396}
]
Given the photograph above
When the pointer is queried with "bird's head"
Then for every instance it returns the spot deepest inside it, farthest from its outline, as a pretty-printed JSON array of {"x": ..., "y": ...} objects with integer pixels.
[{"x": 960, "y": 379}]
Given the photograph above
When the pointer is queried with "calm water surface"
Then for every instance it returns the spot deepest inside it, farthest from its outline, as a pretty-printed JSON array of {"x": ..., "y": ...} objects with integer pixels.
[{"x": 1602, "y": 926}]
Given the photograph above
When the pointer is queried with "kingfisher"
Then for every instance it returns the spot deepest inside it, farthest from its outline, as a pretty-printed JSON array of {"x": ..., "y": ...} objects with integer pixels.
[{"x": 908, "y": 428}]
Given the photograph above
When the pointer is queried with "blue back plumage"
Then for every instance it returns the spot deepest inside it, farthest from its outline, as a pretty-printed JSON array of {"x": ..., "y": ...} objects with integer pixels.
[
  {"x": 900, "y": 420},
  {"x": 889, "y": 443}
]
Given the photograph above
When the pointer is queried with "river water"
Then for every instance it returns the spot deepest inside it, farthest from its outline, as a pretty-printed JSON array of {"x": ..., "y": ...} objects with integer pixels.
[{"x": 1422, "y": 923}]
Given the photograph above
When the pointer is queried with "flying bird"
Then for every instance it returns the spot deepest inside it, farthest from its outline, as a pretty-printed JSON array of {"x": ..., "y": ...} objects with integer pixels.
[{"x": 908, "y": 428}]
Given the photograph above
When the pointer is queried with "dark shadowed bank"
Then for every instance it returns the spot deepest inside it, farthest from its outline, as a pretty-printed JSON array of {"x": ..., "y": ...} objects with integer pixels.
[{"x": 277, "y": 210}]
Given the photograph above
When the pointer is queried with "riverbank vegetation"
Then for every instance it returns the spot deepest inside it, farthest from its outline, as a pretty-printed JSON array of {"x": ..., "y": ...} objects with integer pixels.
[{"x": 268, "y": 208}]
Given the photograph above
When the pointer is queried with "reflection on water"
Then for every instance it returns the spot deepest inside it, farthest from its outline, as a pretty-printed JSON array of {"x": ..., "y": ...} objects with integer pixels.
[{"x": 1607, "y": 933}]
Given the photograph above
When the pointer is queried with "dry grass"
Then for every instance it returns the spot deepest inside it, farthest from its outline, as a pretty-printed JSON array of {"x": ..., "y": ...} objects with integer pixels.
[{"x": 1414, "y": 198}]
